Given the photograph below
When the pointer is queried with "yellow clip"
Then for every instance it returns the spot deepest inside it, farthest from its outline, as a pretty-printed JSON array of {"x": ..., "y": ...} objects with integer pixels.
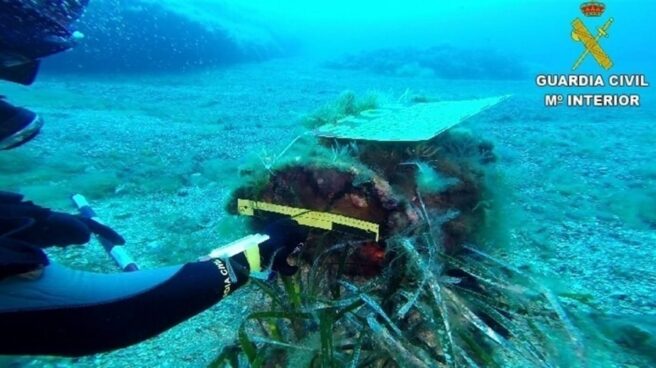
[{"x": 319, "y": 220}]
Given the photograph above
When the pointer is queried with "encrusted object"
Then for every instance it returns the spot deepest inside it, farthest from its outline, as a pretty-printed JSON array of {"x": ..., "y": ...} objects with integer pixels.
[{"x": 396, "y": 184}]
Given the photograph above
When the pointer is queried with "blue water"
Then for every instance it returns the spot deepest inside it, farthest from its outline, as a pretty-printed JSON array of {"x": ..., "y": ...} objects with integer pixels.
[
  {"x": 159, "y": 105},
  {"x": 534, "y": 32}
]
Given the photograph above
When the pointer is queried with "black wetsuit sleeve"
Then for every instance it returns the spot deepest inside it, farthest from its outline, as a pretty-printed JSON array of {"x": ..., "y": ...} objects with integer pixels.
[{"x": 110, "y": 324}]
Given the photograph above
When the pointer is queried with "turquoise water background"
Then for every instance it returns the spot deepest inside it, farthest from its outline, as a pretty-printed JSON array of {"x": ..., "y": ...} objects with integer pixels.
[
  {"x": 537, "y": 32},
  {"x": 155, "y": 138}
]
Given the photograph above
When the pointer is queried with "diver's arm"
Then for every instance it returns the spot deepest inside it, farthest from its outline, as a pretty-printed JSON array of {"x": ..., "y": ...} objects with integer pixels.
[
  {"x": 74, "y": 313},
  {"x": 24, "y": 221}
]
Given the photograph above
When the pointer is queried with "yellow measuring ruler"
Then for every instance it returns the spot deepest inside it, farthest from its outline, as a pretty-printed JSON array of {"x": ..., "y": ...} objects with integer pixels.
[{"x": 319, "y": 220}]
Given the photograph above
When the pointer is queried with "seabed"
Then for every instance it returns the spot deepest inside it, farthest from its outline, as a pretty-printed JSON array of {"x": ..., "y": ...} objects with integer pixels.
[{"x": 158, "y": 157}]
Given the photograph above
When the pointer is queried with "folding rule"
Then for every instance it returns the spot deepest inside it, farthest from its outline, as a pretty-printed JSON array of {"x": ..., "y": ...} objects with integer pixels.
[{"x": 319, "y": 220}]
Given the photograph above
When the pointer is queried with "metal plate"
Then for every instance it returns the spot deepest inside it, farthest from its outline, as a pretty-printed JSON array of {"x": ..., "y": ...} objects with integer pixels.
[{"x": 418, "y": 122}]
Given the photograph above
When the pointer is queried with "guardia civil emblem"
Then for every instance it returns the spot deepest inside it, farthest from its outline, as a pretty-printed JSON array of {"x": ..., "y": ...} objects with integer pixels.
[{"x": 590, "y": 42}]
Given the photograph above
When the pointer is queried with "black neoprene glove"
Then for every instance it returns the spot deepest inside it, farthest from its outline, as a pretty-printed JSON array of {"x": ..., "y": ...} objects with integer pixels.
[
  {"x": 286, "y": 236},
  {"x": 39, "y": 226}
]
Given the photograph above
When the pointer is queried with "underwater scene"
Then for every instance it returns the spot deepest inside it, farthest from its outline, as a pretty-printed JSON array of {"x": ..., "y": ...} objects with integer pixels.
[{"x": 215, "y": 183}]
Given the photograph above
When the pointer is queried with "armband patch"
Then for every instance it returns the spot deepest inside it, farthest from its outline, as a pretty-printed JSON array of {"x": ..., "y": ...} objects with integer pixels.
[{"x": 223, "y": 270}]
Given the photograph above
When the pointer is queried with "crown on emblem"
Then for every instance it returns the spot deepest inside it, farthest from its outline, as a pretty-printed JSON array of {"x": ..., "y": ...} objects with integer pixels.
[{"x": 593, "y": 8}]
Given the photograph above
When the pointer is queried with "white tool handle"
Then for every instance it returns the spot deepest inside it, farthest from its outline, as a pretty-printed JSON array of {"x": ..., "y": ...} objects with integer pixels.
[{"x": 238, "y": 246}]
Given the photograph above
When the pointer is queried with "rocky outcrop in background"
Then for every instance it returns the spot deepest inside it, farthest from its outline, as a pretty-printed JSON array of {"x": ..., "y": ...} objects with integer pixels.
[
  {"x": 443, "y": 61},
  {"x": 149, "y": 35}
]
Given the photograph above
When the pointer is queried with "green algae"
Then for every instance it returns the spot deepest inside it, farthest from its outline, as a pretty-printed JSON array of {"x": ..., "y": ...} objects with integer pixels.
[{"x": 346, "y": 104}]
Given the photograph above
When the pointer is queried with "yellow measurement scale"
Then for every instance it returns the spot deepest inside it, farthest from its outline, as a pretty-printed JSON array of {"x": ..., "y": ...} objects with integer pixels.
[{"x": 319, "y": 220}]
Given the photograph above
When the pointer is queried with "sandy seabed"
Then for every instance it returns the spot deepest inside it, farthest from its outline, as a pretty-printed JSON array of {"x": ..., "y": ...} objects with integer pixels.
[{"x": 157, "y": 156}]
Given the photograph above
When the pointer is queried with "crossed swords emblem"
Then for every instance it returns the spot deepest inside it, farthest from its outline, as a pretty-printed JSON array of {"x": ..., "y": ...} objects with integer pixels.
[{"x": 591, "y": 43}]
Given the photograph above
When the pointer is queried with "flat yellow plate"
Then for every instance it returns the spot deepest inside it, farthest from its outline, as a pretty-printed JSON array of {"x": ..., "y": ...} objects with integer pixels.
[{"x": 418, "y": 122}]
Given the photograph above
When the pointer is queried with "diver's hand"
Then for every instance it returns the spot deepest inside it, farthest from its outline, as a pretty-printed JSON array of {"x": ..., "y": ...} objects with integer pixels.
[
  {"x": 286, "y": 237},
  {"x": 40, "y": 226}
]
